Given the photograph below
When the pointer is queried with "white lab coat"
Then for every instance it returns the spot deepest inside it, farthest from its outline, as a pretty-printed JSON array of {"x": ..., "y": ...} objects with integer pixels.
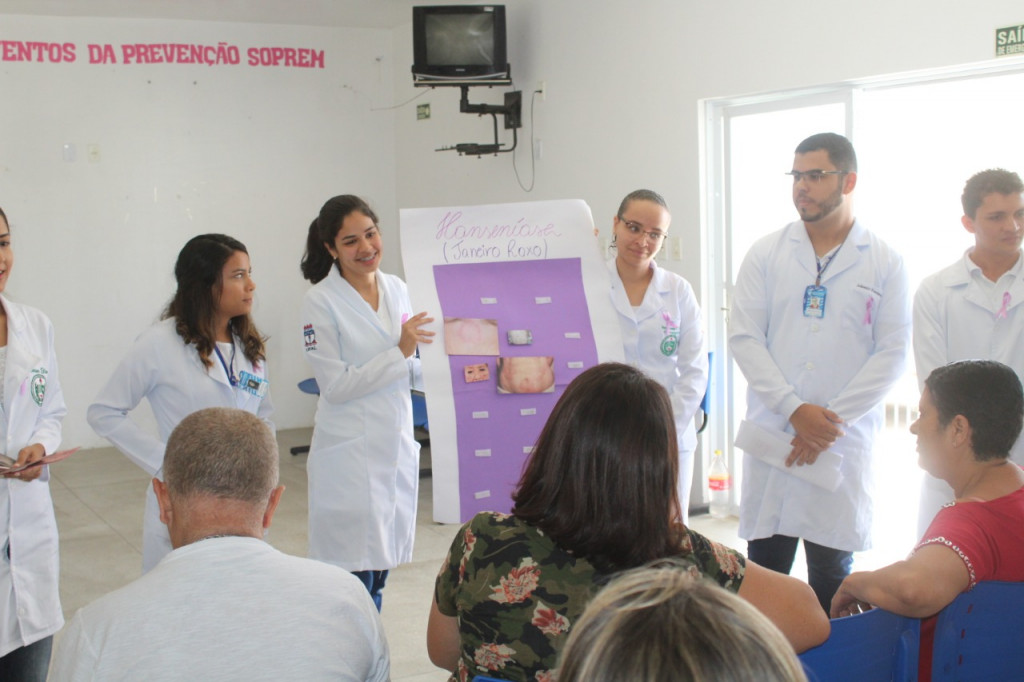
[
  {"x": 363, "y": 462},
  {"x": 956, "y": 318},
  {"x": 669, "y": 309},
  {"x": 846, "y": 361},
  {"x": 163, "y": 369},
  {"x": 34, "y": 408}
]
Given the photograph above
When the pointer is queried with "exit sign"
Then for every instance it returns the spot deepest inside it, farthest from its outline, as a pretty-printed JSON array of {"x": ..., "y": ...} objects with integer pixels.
[{"x": 1010, "y": 40}]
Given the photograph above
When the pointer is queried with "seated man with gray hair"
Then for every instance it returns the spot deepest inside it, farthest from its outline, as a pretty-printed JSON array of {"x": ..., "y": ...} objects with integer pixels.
[{"x": 225, "y": 604}]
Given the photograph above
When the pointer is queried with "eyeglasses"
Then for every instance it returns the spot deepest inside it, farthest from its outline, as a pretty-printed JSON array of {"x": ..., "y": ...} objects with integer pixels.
[
  {"x": 636, "y": 229},
  {"x": 813, "y": 176}
]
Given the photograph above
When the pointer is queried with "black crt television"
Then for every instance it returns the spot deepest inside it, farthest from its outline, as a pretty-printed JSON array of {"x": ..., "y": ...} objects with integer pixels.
[{"x": 460, "y": 43}]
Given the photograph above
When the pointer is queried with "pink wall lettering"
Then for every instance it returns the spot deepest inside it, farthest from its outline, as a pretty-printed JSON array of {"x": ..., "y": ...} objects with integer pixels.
[{"x": 220, "y": 54}]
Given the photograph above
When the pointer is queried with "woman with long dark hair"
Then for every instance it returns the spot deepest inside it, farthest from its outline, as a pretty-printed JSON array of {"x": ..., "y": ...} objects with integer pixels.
[
  {"x": 598, "y": 495},
  {"x": 205, "y": 352},
  {"x": 360, "y": 338}
]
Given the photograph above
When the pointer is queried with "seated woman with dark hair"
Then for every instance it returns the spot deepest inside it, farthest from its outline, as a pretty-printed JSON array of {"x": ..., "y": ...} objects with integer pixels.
[
  {"x": 660, "y": 623},
  {"x": 971, "y": 415},
  {"x": 597, "y": 496}
]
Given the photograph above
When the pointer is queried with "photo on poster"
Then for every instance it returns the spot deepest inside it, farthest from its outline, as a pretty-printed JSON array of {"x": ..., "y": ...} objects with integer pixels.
[
  {"x": 530, "y": 374},
  {"x": 470, "y": 336},
  {"x": 476, "y": 373}
]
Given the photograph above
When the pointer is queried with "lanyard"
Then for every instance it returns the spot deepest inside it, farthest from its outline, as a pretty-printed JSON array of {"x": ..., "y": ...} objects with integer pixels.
[
  {"x": 228, "y": 369},
  {"x": 817, "y": 261}
]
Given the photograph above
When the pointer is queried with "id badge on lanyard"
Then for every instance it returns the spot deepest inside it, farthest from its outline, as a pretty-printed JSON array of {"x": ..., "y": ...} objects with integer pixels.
[
  {"x": 814, "y": 301},
  {"x": 815, "y": 294},
  {"x": 252, "y": 384}
]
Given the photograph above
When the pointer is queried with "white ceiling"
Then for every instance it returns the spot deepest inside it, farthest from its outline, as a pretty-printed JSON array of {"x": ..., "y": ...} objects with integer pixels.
[{"x": 355, "y": 13}]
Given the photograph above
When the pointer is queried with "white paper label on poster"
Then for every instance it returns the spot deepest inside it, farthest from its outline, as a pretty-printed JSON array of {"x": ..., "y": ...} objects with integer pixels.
[{"x": 474, "y": 267}]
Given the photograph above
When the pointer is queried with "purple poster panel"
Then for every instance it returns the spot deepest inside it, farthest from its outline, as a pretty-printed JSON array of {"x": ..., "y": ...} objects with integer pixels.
[{"x": 504, "y": 391}]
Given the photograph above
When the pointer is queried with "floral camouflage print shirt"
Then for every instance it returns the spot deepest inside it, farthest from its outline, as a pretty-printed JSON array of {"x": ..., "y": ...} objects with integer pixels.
[{"x": 516, "y": 594}]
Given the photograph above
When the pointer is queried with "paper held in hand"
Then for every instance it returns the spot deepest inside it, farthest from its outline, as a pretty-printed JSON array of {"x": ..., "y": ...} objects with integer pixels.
[
  {"x": 773, "y": 447},
  {"x": 7, "y": 464}
]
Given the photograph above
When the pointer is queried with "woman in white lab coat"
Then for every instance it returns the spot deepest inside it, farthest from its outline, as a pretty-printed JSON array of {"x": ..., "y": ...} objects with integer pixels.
[
  {"x": 360, "y": 338},
  {"x": 31, "y": 410},
  {"x": 205, "y": 352},
  {"x": 659, "y": 318}
]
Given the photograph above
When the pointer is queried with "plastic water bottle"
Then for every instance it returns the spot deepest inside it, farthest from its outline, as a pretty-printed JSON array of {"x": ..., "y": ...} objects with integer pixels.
[{"x": 720, "y": 483}]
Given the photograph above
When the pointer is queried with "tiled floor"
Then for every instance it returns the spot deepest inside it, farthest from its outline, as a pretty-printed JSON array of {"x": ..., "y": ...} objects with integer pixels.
[{"x": 99, "y": 496}]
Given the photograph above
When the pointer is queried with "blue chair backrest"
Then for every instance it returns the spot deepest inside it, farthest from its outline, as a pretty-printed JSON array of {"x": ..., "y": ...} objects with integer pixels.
[
  {"x": 980, "y": 635},
  {"x": 481, "y": 678},
  {"x": 705, "y": 402},
  {"x": 419, "y": 412},
  {"x": 876, "y": 645},
  {"x": 309, "y": 386}
]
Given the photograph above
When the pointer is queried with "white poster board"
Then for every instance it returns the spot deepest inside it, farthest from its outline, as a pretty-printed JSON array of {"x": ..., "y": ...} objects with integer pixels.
[{"x": 520, "y": 297}]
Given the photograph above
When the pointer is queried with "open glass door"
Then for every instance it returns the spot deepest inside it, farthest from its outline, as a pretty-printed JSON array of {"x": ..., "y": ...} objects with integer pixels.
[{"x": 750, "y": 147}]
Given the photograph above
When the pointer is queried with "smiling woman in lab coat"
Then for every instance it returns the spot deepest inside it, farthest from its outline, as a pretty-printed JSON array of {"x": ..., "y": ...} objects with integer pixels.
[
  {"x": 360, "y": 337},
  {"x": 659, "y": 318},
  {"x": 206, "y": 352},
  {"x": 31, "y": 410}
]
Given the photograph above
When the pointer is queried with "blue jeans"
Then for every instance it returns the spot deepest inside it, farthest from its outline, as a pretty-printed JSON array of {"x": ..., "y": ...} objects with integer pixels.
[
  {"x": 826, "y": 567},
  {"x": 29, "y": 663},
  {"x": 374, "y": 582}
]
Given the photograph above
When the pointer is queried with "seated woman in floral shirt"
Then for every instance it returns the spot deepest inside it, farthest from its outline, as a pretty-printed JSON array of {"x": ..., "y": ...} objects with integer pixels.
[{"x": 598, "y": 496}]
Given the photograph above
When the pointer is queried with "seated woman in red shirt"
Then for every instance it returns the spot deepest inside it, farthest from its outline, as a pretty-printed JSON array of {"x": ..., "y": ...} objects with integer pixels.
[
  {"x": 971, "y": 415},
  {"x": 598, "y": 495}
]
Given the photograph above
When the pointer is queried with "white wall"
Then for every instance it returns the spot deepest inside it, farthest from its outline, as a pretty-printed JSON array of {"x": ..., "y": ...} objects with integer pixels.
[
  {"x": 624, "y": 81},
  {"x": 254, "y": 152},
  {"x": 184, "y": 149}
]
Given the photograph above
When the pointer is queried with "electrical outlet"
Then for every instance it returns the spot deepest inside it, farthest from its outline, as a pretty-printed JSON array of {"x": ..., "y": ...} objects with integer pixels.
[
  {"x": 676, "y": 248},
  {"x": 538, "y": 149}
]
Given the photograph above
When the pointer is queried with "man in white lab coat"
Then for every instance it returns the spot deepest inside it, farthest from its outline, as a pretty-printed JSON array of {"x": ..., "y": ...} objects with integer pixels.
[
  {"x": 972, "y": 309},
  {"x": 225, "y": 605},
  {"x": 820, "y": 326}
]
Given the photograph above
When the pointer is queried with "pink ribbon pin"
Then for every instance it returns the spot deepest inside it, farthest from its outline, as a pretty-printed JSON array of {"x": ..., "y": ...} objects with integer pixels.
[
  {"x": 405, "y": 317},
  {"x": 1001, "y": 315},
  {"x": 868, "y": 307}
]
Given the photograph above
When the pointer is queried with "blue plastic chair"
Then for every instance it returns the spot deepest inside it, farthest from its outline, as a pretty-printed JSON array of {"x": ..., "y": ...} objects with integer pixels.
[
  {"x": 705, "y": 402},
  {"x": 310, "y": 387},
  {"x": 980, "y": 635},
  {"x": 419, "y": 411},
  {"x": 481, "y": 678},
  {"x": 876, "y": 645}
]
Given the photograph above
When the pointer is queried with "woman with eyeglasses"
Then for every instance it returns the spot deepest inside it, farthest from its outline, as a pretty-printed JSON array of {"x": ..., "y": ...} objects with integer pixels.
[
  {"x": 360, "y": 337},
  {"x": 206, "y": 352},
  {"x": 659, "y": 318}
]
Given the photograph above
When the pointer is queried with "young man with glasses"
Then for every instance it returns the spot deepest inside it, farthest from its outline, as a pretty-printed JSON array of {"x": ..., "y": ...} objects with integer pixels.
[
  {"x": 819, "y": 326},
  {"x": 971, "y": 309}
]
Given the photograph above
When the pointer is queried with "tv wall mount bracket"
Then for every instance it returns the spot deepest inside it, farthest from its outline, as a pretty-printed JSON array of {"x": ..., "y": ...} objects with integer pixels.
[{"x": 512, "y": 116}]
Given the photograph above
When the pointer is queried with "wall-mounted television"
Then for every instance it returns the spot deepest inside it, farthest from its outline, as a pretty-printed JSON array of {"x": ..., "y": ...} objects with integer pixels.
[{"x": 459, "y": 43}]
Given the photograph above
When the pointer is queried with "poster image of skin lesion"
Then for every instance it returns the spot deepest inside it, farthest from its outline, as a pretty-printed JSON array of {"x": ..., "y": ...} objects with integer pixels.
[
  {"x": 526, "y": 374},
  {"x": 536, "y": 314},
  {"x": 470, "y": 336}
]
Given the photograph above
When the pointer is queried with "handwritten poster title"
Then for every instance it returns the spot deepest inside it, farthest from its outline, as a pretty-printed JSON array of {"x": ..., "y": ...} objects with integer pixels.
[
  {"x": 221, "y": 54},
  {"x": 517, "y": 240}
]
